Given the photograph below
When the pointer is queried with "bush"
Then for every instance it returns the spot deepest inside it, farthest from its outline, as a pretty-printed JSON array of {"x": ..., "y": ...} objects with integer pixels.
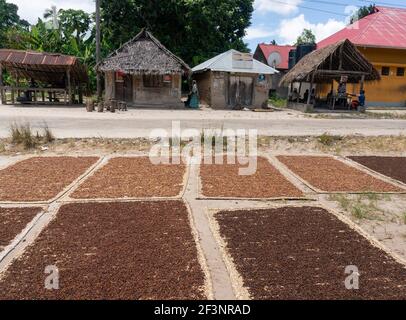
[
  {"x": 277, "y": 102},
  {"x": 329, "y": 140},
  {"x": 48, "y": 135},
  {"x": 22, "y": 135}
]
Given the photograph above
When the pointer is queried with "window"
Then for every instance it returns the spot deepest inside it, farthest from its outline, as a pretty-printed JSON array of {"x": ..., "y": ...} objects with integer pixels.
[
  {"x": 400, "y": 72},
  {"x": 385, "y": 71},
  {"x": 152, "y": 80}
]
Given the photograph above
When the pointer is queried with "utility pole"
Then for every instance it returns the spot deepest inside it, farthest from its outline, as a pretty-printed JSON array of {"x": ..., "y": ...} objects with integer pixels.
[{"x": 99, "y": 88}]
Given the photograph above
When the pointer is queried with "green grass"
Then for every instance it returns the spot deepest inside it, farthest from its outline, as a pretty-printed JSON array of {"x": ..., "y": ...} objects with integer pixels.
[
  {"x": 364, "y": 207},
  {"x": 328, "y": 140},
  {"x": 342, "y": 200},
  {"x": 278, "y": 102}
]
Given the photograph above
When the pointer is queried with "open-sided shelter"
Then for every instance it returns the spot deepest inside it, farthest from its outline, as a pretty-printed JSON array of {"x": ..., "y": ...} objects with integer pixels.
[
  {"x": 381, "y": 38},
  {"x": 144, "y": 73},
  {"x": 40, "y": 77},
  {"x": 326, "y": 66}
]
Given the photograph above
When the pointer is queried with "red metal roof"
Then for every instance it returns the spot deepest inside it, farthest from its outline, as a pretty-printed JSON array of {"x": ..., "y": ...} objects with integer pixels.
[
  {"x": 35, "y": 58},
  {"x": 384, "y": 28},
  {"x": 267, "y": 49}
]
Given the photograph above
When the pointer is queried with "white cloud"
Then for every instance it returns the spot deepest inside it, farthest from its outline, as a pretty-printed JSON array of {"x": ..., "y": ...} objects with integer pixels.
[
  {"x": 258, "y": 32},
  {"x": 31, "y": 10},
  {"x": 350, "y": 10},
  {"x": 290, "y": 29},
  {"x": 283, "y": 7}
]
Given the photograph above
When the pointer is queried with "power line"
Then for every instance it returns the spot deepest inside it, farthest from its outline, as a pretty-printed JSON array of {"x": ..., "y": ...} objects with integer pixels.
[
  {"x": 328, "y": 3},
  {"x": 309, "y": 8},
  {"x": 383, "y": 3}
]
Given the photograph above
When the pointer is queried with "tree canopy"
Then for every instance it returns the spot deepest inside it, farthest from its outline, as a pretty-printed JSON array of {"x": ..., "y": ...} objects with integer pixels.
[
  {"x": 8, "y": 19},
  {"x": 307, "y": 37},
  {"x": 362, "y": 12},
  {"x": 195, "y": 30}
]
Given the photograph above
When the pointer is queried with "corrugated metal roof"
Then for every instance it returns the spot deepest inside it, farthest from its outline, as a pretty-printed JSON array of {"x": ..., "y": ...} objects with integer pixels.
[
  {"x": 384, "y": 28},
  {"x": 224, "y": 62},
  {"x": 35, "y": 58},
  {"x": 47, "y": 67},
  {"x": 267, "y": 49}
]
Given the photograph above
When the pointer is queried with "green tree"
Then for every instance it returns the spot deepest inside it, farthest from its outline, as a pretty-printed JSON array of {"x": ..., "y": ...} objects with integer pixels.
[
  {"x": 362, "y": 12},
  {"x": 9, "y": 19},
  {"x": 307, "y": 37},
  {"x": 74, "y": 22},
  {"x": 193, "y": 29}
]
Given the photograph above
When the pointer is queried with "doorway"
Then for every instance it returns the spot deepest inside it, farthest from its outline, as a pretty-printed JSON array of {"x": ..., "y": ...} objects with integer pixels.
[
  {"x": 124, "y": 89},
  {"x": 241, "y": 90}
]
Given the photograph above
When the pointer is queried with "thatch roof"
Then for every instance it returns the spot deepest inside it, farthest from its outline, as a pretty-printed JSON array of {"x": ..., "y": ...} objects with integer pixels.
[
  {"x": 332, "y": 62},
  {"x": 46, "y": 67},
  {"x": 144, "y": 54}
]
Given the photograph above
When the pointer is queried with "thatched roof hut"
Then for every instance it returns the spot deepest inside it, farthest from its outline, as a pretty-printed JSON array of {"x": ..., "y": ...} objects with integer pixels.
[
  {"x": 330, "y": 63},
  {"x": 143, "y": 54},
  {"x": 144, "y": 73}
]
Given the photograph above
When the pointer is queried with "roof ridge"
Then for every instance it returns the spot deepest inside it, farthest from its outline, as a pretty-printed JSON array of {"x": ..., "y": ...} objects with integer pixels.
[
  {"x": 371, "y": 21},
  {"x": 148, "y": 35}
]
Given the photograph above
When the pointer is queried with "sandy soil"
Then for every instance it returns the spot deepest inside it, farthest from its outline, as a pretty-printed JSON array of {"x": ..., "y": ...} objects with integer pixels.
[
  {"x": 381, "y": 216},
  {"x": 68, "y": 122}
]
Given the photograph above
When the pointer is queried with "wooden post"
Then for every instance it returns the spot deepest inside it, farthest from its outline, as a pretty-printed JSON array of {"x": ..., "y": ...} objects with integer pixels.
[
  {"x": 300, "y": 90},
  {"x": 18, "y": 86},
  {"x": 362, "y": 83},
  {"x": 114, "y": 86},
  {"x": 12, "y": 96},
  {"x": 1, "y": 85},
  {"x": 98, "y": 49},
  {"x": 310, "y": 91},
  {"x": 69, "y": 86},
  {"x": 80, "y": 94}
]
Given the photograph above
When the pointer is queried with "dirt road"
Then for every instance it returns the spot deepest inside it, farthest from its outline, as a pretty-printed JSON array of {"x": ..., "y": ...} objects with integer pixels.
[{"x": 76, "y": 123}]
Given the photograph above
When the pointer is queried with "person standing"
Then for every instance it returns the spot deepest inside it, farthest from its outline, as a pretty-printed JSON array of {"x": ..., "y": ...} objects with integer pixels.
[{"x": 194, "y": 96}]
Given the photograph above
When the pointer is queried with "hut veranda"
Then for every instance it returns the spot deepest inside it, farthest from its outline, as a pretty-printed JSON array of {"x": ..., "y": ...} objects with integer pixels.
[
  {"x": 234, "y": 80},
  {"x": 320, "y": 71},
  {"x": 144, "y": 73},
  {"x": 42, "y": 78}
]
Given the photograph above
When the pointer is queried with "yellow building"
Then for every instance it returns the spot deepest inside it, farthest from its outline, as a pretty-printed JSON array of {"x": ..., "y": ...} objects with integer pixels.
[{"x": 381, "y": 37}]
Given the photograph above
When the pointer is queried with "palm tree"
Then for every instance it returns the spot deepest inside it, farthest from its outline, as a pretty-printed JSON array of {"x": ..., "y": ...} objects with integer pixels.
[{"x": 53, "y": 15}]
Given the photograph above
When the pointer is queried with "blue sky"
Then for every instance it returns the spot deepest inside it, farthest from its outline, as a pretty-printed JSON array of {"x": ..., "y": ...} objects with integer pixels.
[{"x": 282, "y": 20}]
